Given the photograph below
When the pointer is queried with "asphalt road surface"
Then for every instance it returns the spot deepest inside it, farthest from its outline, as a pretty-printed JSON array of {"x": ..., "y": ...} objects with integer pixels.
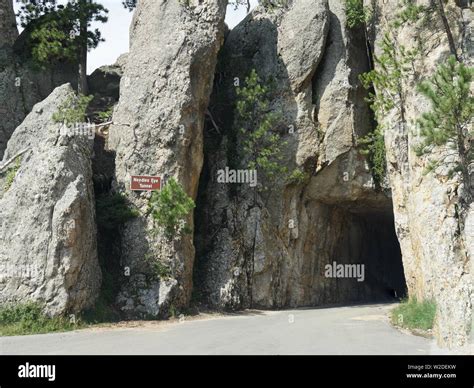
[{"x": 330, "y": 331}]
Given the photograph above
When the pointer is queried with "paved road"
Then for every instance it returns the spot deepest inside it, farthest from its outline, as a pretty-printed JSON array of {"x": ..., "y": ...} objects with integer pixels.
[{"x": 338, "y": 330}]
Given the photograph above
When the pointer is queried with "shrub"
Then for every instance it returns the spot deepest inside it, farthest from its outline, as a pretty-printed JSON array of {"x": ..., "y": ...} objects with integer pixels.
[
  {"x": 297, "y": 177},
  {"x": 386, "y": 93},
  {"x": 356, "y": 13},
  {"x": 169, "y": 208},
  {"x": 73, "y": 110},
  {"x": 159, "y": 269},
  {"x": 11, "y": 174},
  {"x": 373, "y": 146}
]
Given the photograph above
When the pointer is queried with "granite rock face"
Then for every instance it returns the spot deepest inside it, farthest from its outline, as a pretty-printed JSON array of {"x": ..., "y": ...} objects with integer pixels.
[
  {"x": 176, "y": 118},
  {"x": 433, "y": 215},
  {"x": 104, "y": 82},
  {"x": 273, "y": 252},
  {"x": 47, "y": 230},
  {"x": 157, "y": 130}
]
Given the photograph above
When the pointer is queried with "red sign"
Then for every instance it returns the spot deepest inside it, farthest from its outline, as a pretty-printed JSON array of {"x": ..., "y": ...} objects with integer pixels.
[{"x": 145, "y": 183}]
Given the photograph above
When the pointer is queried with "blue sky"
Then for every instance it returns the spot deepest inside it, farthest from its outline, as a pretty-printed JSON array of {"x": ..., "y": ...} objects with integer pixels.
[{"x": 115, "y": 32}]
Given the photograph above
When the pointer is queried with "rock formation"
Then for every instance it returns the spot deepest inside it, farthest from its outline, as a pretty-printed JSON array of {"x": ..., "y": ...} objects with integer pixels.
[
  {"x": 157, "y": 131},
  {"x": 433, "y": 225},
  {"x": 176, "y": 118},
  {"x": 8, "y": 30},
  {"x": 273, "y": 252},
  {"x": 104, "y": 82},
  {"x": 47, "y": 216},
  {"x": 22, "y": 85}
]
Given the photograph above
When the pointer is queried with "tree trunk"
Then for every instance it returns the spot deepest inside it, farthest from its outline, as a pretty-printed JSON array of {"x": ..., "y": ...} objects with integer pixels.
[
  {"x": 464, "y": 162},
  {"x": 8, "y": 29},
  {"x": 82, "y": 76},
  {"x": 442, "y": 14}
]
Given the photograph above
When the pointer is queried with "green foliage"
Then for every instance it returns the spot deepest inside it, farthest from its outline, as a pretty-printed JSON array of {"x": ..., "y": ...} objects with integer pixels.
[
  {"x": 357, "y": 15},
  {"x": 262, "y": 145},
  {"x": 73, "y": 110},
  {"x": 159, "y": 269},
  {"x": 57, "y": 31},
  {"x": 393, "y": 65},
  {"x": 412, "y": 314},
  {"x": 105, "y": 115},
  {"x": 297, "y": 177},
  {"x": 411, "y": 13},
  {"x": 173, "y": 311},
  {"x": 28, "y": 318},
  {"x": 11, "y": 174},
  {"x": 386, "y": 92},
  {"x": 449, "y": 122},
  {"x": 373, "y": 146},
  {"x": 113, "y": 211},
  {"x": 268, "y": 4},
  {"x": 50, "y": 41},
  {"x": 169, "y": 208},
  {"x": 129, "y": 4}
]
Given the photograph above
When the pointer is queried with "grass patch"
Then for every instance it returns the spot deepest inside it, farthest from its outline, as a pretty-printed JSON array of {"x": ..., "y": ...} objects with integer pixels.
[
  {"x": 412, "y": 314},
  {"x": 11, "y": 174},
  {"x": 28, "y": 318}
]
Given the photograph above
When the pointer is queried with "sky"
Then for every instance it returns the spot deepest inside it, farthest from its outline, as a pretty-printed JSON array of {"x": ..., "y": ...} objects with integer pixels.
[{"x": 116, "y": 32}]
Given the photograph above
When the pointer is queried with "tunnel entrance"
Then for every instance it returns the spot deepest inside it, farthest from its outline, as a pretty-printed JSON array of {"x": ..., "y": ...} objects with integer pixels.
[
  {"x": 346, "y": 252},
  {"x": 364, "y": 261}
]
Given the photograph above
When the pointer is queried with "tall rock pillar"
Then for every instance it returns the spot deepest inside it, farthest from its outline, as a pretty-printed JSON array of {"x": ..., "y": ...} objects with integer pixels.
[{"x": 157, "y": 131}]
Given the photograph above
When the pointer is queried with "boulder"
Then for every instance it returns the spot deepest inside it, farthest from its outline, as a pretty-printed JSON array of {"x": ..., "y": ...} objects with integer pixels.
[
  {"x": 104, "y": 82},
  {"x": 47, "y": 215}
]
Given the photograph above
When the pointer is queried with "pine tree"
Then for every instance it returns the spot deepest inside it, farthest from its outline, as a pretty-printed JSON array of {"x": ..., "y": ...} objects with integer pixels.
[
  {"x": 169, "y": 208},
  {"x": 262, "y": 144},
  {"x": 449, "y": 122},
  {"x": 62, "y": 32},
  {"x": 387, "y": 93},
  {"x": 356, "y": 13}
]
